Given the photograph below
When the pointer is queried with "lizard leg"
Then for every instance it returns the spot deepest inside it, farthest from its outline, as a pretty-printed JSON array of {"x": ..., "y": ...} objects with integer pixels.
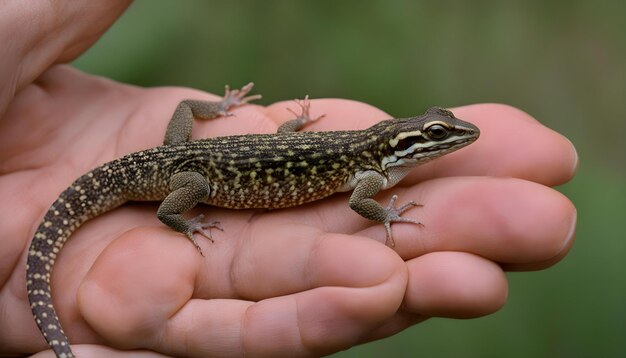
[
  {"x": 301, "y": 120},
  {"x": 368, "y": 185},
  {"x": 180, "y": 126},
  {"x": 188, "y": 189}
]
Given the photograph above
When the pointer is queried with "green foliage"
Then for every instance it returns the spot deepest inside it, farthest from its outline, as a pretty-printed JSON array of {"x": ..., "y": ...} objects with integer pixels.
[{"x": 563, "y": 62}]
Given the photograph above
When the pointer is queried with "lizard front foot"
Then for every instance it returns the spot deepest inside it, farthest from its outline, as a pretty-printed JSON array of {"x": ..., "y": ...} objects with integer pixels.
[
  {"x": 196, "y": 225},
  {"x": 236, "y": 97},
  {"x": 305, "y": 106},
  {"x": 393, "y": 216},
  {"x": 301, "y": 119}
]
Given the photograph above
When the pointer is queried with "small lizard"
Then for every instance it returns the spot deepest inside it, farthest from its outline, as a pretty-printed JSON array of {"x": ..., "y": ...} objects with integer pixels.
[{"x": 271, "y": 171}]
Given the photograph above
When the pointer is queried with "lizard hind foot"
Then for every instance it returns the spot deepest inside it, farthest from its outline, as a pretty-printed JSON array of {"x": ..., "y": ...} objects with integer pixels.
[
  {"x": 197, "y": 225},
  {"x": 236, "y": 97},
  {"x": 393, "y": 216}
]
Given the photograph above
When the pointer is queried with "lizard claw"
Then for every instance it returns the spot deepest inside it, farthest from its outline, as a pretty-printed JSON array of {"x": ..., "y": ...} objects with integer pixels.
[
  {"x": 236, "y": 97},
  {"x": 304, "y": 115},
  {"x": 393, "y": 216},
  {"x": 196, "y": 225}
]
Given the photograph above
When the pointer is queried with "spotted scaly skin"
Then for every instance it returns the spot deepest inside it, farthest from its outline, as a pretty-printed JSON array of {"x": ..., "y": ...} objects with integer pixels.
[{"x": 272, "y": 171}]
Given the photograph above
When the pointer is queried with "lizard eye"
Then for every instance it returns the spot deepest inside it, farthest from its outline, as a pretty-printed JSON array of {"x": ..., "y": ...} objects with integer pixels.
[{"x": 437, "y": 131}]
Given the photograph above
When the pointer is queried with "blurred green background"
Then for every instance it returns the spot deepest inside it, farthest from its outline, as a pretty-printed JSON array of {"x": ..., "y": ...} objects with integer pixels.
[{"x": 564, "y": 62}]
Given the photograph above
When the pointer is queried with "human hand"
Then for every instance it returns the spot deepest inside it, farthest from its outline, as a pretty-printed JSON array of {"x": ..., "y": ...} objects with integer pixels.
[
  {"x": 301, "y": 281},
  {"x": 298, "y": 281}
]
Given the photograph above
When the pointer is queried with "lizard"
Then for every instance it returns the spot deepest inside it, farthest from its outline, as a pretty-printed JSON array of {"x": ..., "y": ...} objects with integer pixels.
[{"x": 269, "y": 171}]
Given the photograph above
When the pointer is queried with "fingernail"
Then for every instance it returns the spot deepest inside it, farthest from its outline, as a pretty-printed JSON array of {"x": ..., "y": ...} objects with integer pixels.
[
  {"x": 575, "y": 167},
  {"x": 572, "y": 229}
]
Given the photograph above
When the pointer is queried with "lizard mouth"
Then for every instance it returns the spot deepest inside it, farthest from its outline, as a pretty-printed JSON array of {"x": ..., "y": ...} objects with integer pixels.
[{"x": 418, "y": 153}]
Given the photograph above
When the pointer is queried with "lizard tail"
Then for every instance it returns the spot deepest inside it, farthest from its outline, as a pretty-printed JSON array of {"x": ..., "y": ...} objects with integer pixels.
[{"x": 75, "y": 205}]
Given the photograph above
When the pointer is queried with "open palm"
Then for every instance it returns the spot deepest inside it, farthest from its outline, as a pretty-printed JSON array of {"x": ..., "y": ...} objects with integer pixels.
[{"x": 309, "y": 280}]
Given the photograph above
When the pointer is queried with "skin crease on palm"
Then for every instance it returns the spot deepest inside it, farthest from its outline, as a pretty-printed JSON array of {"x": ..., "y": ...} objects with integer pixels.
[{"x": 304, "y": 281}]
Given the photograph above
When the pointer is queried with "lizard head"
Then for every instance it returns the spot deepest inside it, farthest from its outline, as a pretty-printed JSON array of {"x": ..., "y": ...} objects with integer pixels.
[{"x": 416, "y": 140}]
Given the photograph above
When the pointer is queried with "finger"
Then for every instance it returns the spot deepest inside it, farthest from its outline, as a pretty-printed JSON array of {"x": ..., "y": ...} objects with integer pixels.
[
  {"x": 136, "y": 283},
  {"x": 123, "y": 302},
  {"x": 279, "y": 259},
  {"x": 506, "y": 220},
  {"x": 454, "y": 285},
  {"x": 311, "y": 323},
  {"x": 24, "y": 28},
  {"x": 447, "y": 284},
  {"x": 518, "y": 223},
  {"x": 512, "y": 143}
]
